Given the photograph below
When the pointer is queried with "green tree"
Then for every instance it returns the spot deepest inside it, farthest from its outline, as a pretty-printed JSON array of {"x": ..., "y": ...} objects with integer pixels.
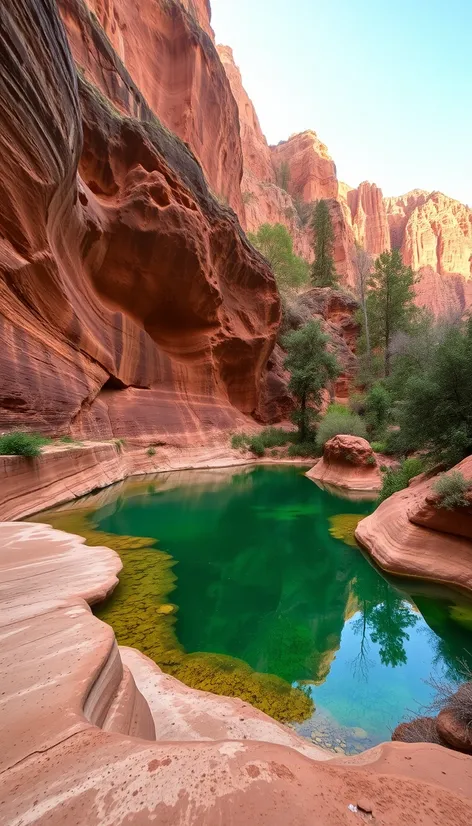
[
  {"x": 323, "y": 271},
  {"x": 275, "y": 244},
  {"x": 436, "y": 412},
  {"x": 390, "y": 307},
  {"x": 311, "y": 367}
]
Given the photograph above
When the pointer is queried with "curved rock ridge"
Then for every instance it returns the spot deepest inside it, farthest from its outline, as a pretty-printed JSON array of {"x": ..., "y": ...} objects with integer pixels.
[
  {"x": 406, "y": 535},
  {"x": 170, "y": 55},
  {"x": 132, "y": 303},
  {"x": 347, "y": 462},
  {"x": 80, "y": 717}
]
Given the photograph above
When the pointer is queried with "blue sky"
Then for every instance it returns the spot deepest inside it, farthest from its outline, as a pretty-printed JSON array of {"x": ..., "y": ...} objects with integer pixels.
[{"x": 386, "y": 84}]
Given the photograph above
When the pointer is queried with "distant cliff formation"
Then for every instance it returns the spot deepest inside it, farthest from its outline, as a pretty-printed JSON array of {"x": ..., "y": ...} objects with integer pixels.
[{"x": 433, "y": 232}]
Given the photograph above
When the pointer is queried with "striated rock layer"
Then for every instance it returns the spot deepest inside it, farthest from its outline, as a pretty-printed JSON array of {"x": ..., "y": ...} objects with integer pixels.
[
  {"x": 408, "y": 536},
  {"x": 434, "y": 234},
  {"x": 131, "y": 302},
  {"x": 170, "y": 55},
  {"x": 81, "y": 718}
]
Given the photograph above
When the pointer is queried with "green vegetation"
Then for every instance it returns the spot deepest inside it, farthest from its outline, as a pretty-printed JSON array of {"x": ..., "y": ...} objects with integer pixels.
[
  {"x": 312, "y": 368},
  {"x": 268, "y": 438},
  {"x": 304, "y": 450},
  {"x": 451, "y": 489},
  {"x": 335, "y": 423},
  {"x": 151, "y": 451},
  {"x": 323, "y": 271},
  {"x": 378, "y": 403},
  {"x": 435, "y": 411},
  {"x": 390, "y": 307},
  {"x": 238, "y": 441},
  {"x": 275, "y": 244},
  {"x": 22, "y": 444},
  {"x": 396, "y": 479}
]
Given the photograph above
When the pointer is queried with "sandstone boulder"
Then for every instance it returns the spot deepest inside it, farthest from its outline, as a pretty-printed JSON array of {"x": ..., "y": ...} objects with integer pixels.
[
  {"x": 347, "y": 462},
  {"x": 401, "y": 546}
]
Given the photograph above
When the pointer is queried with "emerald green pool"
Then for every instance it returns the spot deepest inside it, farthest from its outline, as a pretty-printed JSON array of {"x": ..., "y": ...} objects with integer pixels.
[{"x": 260, "y": 566}]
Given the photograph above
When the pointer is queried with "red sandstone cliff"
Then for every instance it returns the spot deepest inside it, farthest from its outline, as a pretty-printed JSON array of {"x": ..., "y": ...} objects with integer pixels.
[
  {"x": 369, "y": 218},
  {"x": 131, "y": 302},
  {"x": 434, "y": 233},
  {"x": 174, "y": 64}
]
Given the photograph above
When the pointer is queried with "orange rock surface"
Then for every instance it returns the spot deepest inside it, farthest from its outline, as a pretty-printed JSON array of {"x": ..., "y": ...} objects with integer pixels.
[
  {"x": 347, "y": 462},
  {"x": 401, "y": 546},
  {"x": 174, "y": 64},
  {"x": 80, "y": 718},
  {"x": 434, "y": 233},
  {"x": 132, "y": 303},
  {"x": 312, "y": 173},
  {"x": 369, "y": 218}
]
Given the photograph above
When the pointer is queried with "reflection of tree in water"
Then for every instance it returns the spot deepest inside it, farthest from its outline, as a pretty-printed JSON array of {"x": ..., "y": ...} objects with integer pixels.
[
  {"x": 389, "y": 622},
  {"x": 385, "y": 615}
]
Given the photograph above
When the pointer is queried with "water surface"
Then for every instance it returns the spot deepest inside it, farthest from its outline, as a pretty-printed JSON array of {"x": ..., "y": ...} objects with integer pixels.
[{"x": 249, "y": 583}]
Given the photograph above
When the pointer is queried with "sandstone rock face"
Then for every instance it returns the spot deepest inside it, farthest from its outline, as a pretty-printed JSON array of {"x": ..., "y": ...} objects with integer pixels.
[
  {"x": 264, "y": 201},
  {"x": 457, "y": 735},
  {"x": 401, "y": 546},
  {"x": 335, "y": 310},
  {"x": 434, "y": 233},
  {"x": 174, "y": 64},
  {"x": 78, "y": 715},
  {"x": 256, "y": 153},
  {"x": 312, "y": 173},
  {"x": 277, "y": 403},
  {"x": 132, "y": 303},
  {"x": 457, "y": 521},
  {"x": 347, "y": 462},
  {"x": 369, "y": 218}
]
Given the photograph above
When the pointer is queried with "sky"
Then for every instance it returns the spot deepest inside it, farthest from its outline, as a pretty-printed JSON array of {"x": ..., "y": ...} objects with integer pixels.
[{"x": 386, "y": 84}]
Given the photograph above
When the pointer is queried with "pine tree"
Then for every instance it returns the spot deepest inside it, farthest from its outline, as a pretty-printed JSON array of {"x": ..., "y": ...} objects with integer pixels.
[
  {"x": 390, "y": 305},
  {"x": 323, "y": 271},
  {"x": 312, "y": 368}
]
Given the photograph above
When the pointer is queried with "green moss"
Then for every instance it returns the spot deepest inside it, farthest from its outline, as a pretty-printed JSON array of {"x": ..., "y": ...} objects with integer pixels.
[
  {"x": 22, "y": 444},
  {"x": 142, "y": 614}
]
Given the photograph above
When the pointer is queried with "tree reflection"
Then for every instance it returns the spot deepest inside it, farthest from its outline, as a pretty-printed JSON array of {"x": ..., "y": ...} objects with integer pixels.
[{"x": 386, "y": 616}]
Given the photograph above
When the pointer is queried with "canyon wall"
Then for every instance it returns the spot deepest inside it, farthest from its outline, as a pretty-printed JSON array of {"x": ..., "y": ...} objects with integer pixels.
[
  {"x": 131, "y": 302},
  {"x": 281, "y": 183},
  {"x": 174, "y": 63},
  {"x": 434, "y": 234}
]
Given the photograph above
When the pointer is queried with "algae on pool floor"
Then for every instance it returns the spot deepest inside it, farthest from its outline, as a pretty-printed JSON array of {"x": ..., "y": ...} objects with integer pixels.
[{"x": 248, "y": 583}]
